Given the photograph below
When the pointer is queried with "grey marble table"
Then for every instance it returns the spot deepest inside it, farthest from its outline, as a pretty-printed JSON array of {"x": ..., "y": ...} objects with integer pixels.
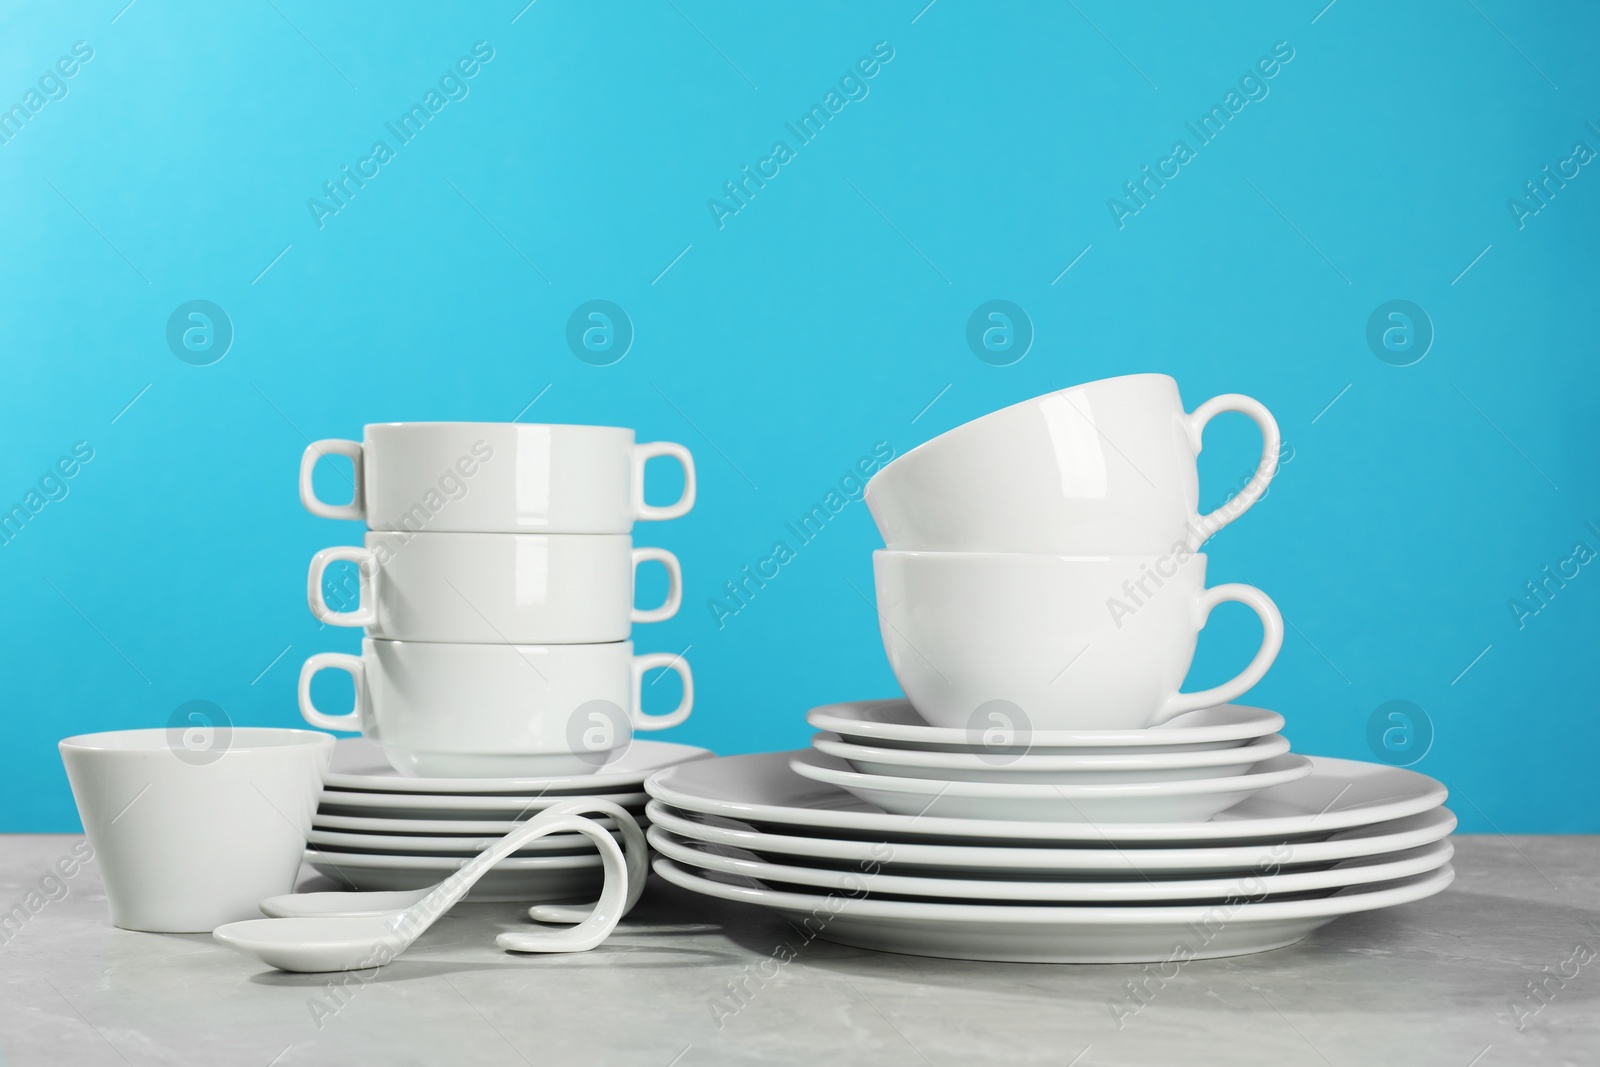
[{"x": 1503, "y": 968}]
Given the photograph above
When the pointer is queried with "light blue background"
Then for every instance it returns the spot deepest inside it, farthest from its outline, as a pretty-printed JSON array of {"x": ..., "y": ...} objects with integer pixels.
[{"x": 823, "y": 318}]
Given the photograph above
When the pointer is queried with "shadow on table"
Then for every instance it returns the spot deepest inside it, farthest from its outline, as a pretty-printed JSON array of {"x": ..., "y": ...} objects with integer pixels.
[{"x": 1458, "y": 947}]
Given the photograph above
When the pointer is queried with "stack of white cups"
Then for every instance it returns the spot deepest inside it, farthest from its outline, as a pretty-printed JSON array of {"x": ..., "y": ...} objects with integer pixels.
[
  {"x": 1043, "y": 568},
  {"x": 496, "y": 589}
]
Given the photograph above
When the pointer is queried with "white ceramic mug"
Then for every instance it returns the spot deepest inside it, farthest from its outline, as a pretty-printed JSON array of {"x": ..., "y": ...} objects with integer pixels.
[
  {"x": 1102, "y": 468},
  {"x": 525, "y": 589},
  {"x": 189, "y": 839},
  {"x": 497, "y": 477},
  {"x": 1079, "y": 643},
  {"x": 445, "y": 710}
]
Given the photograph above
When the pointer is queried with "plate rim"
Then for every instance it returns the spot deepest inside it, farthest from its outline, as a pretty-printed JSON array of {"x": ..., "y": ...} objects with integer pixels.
[
  {"x": 1432, "y": 856},
  {"x": 659, "y": 786},
  {"x": 1166, "y": 859},
  {"x": 447, "y": 864},
  {"x": 1370, "y": 898},
  {"x": 1045, "y": 762},
  {"x": 405, "y": 784},
  {"x": 448, "y": 802},
  {"x": 945, "y": 735},
  {"x": 1295, "y": 768}
]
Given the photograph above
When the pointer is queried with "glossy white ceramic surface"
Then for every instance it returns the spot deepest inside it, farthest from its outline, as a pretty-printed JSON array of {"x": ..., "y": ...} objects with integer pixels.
[
  {"x": 497, "y": 477},
  {"x": 1078, "y": 768},
  {"x": 188, "y": 837},
  {"x": 476, "y": 710},
  {"x": 1118, "y": 802},
  {"x": 979, "y": 886},
  {"x": 330, "y": 943},
  {"x": 1055, "y": 642},
  {"x": 896, "y": 724},
  {"x": 762, "y": 790},
  {"x": 978, "y": 859},
  {"x": 1105, "y": 467},
  {"x": 1033, "y": 933},
  {"x": 495, "y": 587},
  {"x": 360, "y": 764}
]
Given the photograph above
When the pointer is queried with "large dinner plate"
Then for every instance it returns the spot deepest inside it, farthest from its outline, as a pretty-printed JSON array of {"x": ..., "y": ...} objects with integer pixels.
[
  {"x": 760, "y": 789},
  {"x": 1034, "y": 933},
  {"x": 359, "y": 764},
  {"x": 967, "y": 860},
  {"x": 1254, "y": 884}
]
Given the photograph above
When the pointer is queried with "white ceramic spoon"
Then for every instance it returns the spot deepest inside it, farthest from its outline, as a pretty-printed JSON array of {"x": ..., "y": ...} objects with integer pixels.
[
  {"x": 362, "y": 943},
  {"x": 351, "y": 905}
]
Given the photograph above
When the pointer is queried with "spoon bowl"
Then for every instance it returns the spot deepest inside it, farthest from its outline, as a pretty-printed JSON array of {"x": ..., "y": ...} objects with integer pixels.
[{"x": 324, "y": 944}]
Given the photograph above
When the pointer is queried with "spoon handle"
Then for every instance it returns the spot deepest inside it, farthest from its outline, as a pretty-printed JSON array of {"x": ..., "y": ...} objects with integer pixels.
[
  {"x": 633, "y": 847},
  {"x": 421, "y": 915},
  {"x": 602, "y": 918}
]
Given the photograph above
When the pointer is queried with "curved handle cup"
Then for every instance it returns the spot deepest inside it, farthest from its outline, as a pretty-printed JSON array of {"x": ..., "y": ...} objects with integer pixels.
[
  {"x": 1271, "y": 642},
  {"x": 1241, "y": 501}
]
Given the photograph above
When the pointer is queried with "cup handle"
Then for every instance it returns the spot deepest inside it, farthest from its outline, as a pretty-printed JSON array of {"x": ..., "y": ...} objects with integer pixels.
[
  {"x": 357, "y": 670},
  {"x": 1271, "y": 642},
  {"x": 366, "y": 610},
  {"x": 669, "y": 607},
  {"x": 649, "y": 512},
  {"x": 333, "y": 446},
  {"x": 650, "y": 661},
  {"x": 1241, "y": 501}
]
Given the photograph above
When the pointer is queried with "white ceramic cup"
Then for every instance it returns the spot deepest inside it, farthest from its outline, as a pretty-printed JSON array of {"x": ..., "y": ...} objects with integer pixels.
[
  {"x": 1059, "y": 642},
  {"x": 1097, "y": 469},
  {"x": 445, "y": 710},
  {"x": 525, "y": 589},
  {"x": 189, "y": 839},
  {"x": 497, "y": 477}
]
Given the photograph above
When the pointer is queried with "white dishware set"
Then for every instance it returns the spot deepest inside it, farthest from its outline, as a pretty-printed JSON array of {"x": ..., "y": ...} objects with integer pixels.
[
  {"x": 498, "y": 692},
  {"x": 1046, "y": 792}
]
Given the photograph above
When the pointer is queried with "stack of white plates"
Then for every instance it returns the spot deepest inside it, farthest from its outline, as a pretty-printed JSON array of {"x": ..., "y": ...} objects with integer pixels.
[
  {"x": 1247, "y": 849},
  {"x": 1192, "y": 768},
  {"x": 377, "y": 829}
]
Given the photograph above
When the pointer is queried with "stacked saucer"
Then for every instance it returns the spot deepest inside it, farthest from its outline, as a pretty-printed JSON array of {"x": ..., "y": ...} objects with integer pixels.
[
  {"x": 377, "y": 829},
  {"x": 883, "y": 752}
]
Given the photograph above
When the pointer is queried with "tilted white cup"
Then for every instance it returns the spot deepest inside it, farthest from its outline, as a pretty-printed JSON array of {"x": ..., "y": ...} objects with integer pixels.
[
  {"x": 526, "y": 589},
  {"x": 1102, "y": 468},
  {"x": 447, "y": 710},
  {"x": 1055, "y": 642},
  {"x": 497, "y": 477},
  {"x": 190, "y": 838}
]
